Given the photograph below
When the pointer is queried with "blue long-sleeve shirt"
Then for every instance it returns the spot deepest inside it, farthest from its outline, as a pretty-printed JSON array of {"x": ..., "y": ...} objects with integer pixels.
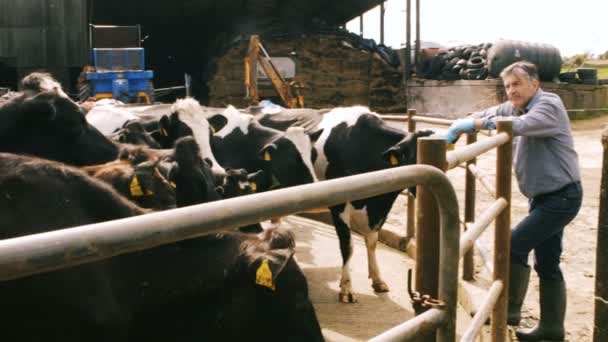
[{"x": 544, "y": 157}]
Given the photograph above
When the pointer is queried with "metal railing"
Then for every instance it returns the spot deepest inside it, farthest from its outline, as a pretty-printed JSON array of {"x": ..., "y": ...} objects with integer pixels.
[
  {"x": 433, "y": 151},
  {"x": 58, "y": 249}
]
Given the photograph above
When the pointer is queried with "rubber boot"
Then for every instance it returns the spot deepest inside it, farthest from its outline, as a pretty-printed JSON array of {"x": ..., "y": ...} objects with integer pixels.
[
  {"x": 552, "y": 314},
  {"x": 518, "y": 286}
]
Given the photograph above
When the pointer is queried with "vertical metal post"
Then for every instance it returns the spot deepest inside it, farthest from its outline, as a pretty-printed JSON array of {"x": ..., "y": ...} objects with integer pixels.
[
  {"x": 188, "y": 84},
  {"x": 408, "y": 41},
  {"x": 469, "y": 211},
  {"x": 411, "y": 201},
  {"x": 361, "y": 25},
  {"x": 600, "y": 329},
  {"x": 431, "y": 151},
  {"x": 382, "y": 22},
  {"x": 417, "y": 50},
  {"x": 502, "y": 233}
]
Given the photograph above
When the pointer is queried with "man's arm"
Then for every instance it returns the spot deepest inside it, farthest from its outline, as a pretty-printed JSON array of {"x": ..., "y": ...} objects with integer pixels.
[
  {"x": 540, "y": 121},
  {"x": 486, "y": 119}
]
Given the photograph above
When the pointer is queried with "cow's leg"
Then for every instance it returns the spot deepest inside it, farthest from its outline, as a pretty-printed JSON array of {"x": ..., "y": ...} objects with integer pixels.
[
  {"x": 378, "y": 284},
  {"x": 346, "y": 249}
]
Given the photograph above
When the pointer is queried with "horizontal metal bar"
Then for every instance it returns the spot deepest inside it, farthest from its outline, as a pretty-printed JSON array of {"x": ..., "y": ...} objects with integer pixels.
[
  {"x": 389, "y": 117},
  {"x": 418, "y": 118},
  {"x": 486, "y": 256},
  {"x": 435, "y": 121},
  {"x": 484, "y": 312},
  {"x": 481, "y": 177},
  {"x": 412, "y": 328},
  {"x": 474, "y": 230},
  {"x": 73, "y": 246},
  {"x": 469, "y": 152}
]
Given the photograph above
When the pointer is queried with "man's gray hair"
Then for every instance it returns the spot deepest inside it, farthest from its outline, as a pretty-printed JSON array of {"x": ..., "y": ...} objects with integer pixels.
[{"x": 521, "y": 68}]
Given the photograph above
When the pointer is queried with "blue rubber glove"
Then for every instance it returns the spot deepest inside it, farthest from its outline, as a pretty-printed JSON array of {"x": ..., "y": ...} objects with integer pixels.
[{"x": 460, "y": 126}]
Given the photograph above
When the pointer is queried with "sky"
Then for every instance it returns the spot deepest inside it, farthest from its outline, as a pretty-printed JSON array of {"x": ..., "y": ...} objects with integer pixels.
[{"x": 572, "y": 26}]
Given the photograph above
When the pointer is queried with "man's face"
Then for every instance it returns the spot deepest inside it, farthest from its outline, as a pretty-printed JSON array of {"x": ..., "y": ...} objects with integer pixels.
[{"x": 519, "y": 89}]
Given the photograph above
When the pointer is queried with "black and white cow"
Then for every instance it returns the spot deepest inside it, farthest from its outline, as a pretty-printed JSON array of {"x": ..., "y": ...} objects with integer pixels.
[
  {"x": 218, "y": 287},
  {"x": 241, "y": 142},
  {"x": 156, "y": 133},
  {"x": 134, "y": 132},
  {"x": 354, "y": 141}
]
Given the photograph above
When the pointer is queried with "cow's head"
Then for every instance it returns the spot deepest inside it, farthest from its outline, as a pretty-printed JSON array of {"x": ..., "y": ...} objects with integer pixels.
[
  {"x": 266, "y": 275},
  {"x": 288, "y": 159},
  {"x": 52, "y": 126},
  {"x": 237, "y": 182},
  {"x": 191, "y": 175},
  {"x": 190, "y": 113},
  {"x": 171, "y": 128},
  {"x": 133, "y": 132},
  {"x": 404, "y": 152}
]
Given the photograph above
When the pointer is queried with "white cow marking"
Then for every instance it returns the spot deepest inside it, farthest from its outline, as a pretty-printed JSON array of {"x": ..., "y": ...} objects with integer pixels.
[{"x": 236, "y": 120}]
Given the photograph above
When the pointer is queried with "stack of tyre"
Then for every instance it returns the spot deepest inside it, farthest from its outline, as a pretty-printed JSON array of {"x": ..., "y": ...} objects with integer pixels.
[
  {"x": 580, "y": 76},
  {"x": 587, "y": 75},
  {"x": 466, "y": 62}
]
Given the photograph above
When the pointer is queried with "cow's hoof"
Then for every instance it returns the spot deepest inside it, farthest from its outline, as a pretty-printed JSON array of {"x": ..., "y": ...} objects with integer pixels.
[
  {"x": 380, "y": 286},
  {"x": 347, "y": 298}
]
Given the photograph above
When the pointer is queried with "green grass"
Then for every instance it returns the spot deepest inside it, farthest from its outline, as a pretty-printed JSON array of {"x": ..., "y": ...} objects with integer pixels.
[{"x": 602, "y": 68}]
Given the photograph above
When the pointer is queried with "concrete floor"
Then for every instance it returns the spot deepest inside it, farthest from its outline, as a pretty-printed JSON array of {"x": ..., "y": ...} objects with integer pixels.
[{"x": 318, "y": 254}]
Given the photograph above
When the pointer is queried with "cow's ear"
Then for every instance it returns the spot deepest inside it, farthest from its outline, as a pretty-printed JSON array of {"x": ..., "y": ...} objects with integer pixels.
[
  {"x": 315, "y": 135},
  {"x": 39, "y": 107},
  {"x": 217, "y": 122},
  {"x": 270, "y": 265},
  {"x": 163, "y": 125},
  {"x": 393, "y": 156},
  {"x": 268, "y": 151}
]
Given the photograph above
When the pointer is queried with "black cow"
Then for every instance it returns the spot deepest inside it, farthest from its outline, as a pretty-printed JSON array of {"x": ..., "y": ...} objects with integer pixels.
[
  {"x": 52, "y": 126},
  {"x": 227, "y": 286},
  {"x": 356, "y": 141},
  {"x": 241, "y": 142}
]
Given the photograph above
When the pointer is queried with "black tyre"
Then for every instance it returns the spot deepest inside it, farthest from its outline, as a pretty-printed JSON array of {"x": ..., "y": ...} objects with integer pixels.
[{"x": 475, "y": 63}]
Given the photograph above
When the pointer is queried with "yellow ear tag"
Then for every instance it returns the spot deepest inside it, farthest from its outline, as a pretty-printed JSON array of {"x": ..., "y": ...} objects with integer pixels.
[
  {"x": 267, "y": 156},
  {"x": 212, "y": 130},
  {"x": 451, "y": 147},
  {"x": 135, "y": 187},
  {"x": 394, "y": 160},
  {"x": 164, "y": 132},
  {"x": 263, "y": 276},
  {"x": 253, "y": 186},
  {"x": 173, "y": 185}
]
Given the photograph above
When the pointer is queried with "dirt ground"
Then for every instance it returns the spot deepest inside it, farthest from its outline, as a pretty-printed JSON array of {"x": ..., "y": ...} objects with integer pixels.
[{"x": 578, "y": 258}]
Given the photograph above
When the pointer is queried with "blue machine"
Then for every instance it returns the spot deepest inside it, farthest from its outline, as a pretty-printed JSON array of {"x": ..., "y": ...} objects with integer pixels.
[{"x": 119, "y": 72}]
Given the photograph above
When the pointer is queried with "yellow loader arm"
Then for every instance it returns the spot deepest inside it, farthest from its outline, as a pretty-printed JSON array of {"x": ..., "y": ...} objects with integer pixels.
[{"x": 288, "y": 91}]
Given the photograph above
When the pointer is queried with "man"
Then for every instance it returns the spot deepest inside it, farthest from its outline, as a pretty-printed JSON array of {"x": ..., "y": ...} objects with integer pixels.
[{"x": 546, "y": 167}]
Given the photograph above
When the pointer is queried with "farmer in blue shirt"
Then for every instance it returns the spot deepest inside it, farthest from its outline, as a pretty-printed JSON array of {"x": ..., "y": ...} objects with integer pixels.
[{"x": 546, "y": 167}]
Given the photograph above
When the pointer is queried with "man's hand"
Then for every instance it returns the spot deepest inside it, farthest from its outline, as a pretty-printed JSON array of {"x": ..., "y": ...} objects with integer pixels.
[{"x": 466, "y": 125}]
